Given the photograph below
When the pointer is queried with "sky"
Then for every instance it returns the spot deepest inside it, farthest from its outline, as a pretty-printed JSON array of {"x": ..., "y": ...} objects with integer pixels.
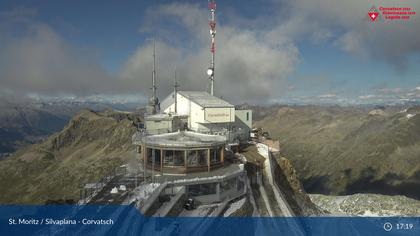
[{"x": 267, "y": 51}]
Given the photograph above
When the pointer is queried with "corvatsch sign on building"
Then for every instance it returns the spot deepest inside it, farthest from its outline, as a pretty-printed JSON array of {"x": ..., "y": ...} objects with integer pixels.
[{"x": 219, "y": 115}]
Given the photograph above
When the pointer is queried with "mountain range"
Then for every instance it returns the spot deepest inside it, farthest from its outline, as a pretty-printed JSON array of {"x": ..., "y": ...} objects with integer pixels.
[
  {"x": 345, "y": 150},
  {"x": 88, "y": 148},
  {"x": 25, "y": 121}
]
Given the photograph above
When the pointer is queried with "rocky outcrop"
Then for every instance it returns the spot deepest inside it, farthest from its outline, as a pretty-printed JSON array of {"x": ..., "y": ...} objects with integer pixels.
[
  {"x": 286, "y": 178},
  {"x": 88, "y": 148},
  {"x": 368, "y": 205},
  {"x": 110, "y": 130}
]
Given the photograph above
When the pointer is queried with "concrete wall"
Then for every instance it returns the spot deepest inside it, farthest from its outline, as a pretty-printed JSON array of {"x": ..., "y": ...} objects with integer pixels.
[
  {"x": 183, "y": 106},
  {"x": 234, "y": 192},
  {"x": 196, "y": 116},
  {"x": 218, "y": 117},
  {"x": 205, "y": 118},
  {"x": 241, "y": 118},
  {"x": 222, "y": 195},
  {"x": 158, "y": 127}
]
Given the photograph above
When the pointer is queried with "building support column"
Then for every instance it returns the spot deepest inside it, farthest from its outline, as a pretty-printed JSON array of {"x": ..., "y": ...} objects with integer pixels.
[
  {"x": 208, "y": 160},
  {"x": 218, "y": 191},
  {"x": 222, "y": 156},
  {"x": 185, "y": 160},
  {"x": 153, "y": 164},
  {"x": 161, "y": 161},
  {"x": 143, "y": 153},
  {"x": 144, "y": 161}
]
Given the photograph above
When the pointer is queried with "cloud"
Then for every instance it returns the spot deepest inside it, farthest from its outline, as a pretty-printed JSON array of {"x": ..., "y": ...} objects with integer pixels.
[
  {"x": 255, "y": 58},
  {"x": 38, "y": 60},
  {"x": 388, "y": 94},
  {"x": 329, "y": 95},
  {"x": 138, "y": 68},
  {"x": 345, "y": 24},
  {"x": 35, "y": 59},
  {"x": 250, "y": 66},
  {"x": 369, "y": 96}
]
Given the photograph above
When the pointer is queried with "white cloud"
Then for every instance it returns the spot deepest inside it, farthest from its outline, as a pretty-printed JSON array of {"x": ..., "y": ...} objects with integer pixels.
[
  {"x": 329, "y": 95},
  {"x": 346, "y": 25},
  {"x": 42, "y": 62},
  {"x": 252, "y": 63},
  {"x": 369, "y": 96},
  {"x": 250, "y": 66}
]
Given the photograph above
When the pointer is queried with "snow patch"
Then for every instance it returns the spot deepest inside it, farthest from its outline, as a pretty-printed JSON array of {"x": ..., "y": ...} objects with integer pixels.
[
  {"x": 200, "y": 211},
  {"x": 234, "y": 207},
  {"x": 369, "y": 214},
  {"x": 143, "y": 192},
  {"x": 262, "y": 150},
  {"x": 114, "y": 190},
  {"x": 410, "y": 116}
]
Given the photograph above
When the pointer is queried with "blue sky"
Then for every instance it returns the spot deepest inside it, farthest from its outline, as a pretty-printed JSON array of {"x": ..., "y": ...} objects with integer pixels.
[{"x": 267, "y": 51}]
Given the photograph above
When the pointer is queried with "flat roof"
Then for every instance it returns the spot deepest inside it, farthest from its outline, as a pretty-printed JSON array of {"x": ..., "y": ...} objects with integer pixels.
[
  {"x": 184, "y": 139},
  {"x": 163, "y": 116},
  {"x": 205, "y": 99},
  {"x": 224, "y": 172}
]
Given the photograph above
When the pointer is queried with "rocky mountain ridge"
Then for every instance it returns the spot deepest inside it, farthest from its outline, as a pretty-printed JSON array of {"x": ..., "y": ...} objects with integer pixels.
[
  {"x": 347, "y": 150},
  {"x": 89, "y": 147}
]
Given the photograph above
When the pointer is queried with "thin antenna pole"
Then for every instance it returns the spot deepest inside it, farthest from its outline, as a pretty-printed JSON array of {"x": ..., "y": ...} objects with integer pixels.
[
  {"x": 175, "y": 91},
  {"x": 154, "y": 72},
  {"x": 212, "y": 23}
]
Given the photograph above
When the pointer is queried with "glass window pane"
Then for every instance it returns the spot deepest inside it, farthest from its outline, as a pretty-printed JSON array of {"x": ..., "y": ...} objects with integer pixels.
[
  {"x": 202, "y": 157},
  {"x": 192, "y": 158},
  {"x": 179, "y": 158},
  {"x": 202, "y": 189},
  {"x": 168, "y": 157},
  {"x": 149, "y": 153},
  {"x": 157, "y": 156},
  {"x": 214, "y": 155}
]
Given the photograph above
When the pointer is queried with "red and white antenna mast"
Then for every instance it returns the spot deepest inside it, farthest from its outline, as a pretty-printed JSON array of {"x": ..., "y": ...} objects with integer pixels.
[{"x": 212, "y": 24}]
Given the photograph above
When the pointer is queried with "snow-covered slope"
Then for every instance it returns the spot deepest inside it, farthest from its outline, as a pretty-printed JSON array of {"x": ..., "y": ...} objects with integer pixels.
[{"x": 368, "y": 205}]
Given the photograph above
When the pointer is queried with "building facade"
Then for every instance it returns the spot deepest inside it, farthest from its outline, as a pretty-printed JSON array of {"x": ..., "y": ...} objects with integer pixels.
[{"x": 209, "y": 114}]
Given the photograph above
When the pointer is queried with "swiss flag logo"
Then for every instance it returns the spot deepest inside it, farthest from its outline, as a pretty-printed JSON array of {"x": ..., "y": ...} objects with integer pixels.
[{"x": 373, "y": 15}]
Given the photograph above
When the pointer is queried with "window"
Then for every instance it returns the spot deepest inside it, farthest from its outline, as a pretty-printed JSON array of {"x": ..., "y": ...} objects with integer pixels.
[
  {"x": 153, "y": 153},
  {"x": 202, "y": 189},
  {"x": 247, "y": 116},
  {"x": 202, "y": 157},
  {"x": 192, "y": 158},
  {"x": 168, "y": 157},
  {"x": 228, "y": 184},
  {"x": 149, "y": 157},
  {"x": 179, "y": 158},
  {"x": 214, "y": 155},
  {"x": 157, "y": 156},
  {"x": 197, "y": 158}
]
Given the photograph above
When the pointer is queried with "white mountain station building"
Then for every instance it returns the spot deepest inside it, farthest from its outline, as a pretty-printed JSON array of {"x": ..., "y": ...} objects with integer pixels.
[{"x": 203, "y": 113}]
